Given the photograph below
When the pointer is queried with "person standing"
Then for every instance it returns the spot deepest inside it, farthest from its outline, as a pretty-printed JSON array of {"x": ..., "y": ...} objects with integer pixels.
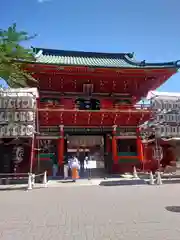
[
  {"x": 75, "y": 166},
  {"x": 81, "y": 160},
  {"x": 55, "y": 166},
  {"x": 66, "y": 169},
  {"x": 88, "y": 167}
]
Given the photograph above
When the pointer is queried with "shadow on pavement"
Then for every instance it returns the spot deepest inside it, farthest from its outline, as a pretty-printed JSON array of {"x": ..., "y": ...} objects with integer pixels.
[
  {"x": 123, "y": 182},
  {"x": 175, "y": 209},
  {"x": 66, "y": 181},
  {"x": 13, "y": 189},
  {"x": 18, "y": 188}
]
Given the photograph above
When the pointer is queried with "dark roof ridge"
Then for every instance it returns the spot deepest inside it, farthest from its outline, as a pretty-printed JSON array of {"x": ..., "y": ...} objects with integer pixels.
[{"x": 75, "y": 53}]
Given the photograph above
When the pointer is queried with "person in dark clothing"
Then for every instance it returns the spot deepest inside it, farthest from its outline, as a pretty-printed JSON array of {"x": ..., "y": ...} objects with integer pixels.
[
  {"x": 54, "y": 165},
  {"x": 81, "y": 161},
  {"x": 88, "y": 169}
]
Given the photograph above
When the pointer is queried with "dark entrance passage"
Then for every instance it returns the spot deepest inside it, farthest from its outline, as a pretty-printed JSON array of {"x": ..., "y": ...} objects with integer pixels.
[
  {"x": 88, "y": 147},
  {"x": 91, "y": 143}
]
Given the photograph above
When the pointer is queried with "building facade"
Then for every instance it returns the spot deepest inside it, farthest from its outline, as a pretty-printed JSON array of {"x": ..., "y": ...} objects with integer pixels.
[
  {"x": 162, "y": 132},
  {"x": 88, "y": 104}
]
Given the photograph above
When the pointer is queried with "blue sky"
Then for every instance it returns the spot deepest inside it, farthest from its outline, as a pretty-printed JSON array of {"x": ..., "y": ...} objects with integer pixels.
[{"x": 150, "y": 28}]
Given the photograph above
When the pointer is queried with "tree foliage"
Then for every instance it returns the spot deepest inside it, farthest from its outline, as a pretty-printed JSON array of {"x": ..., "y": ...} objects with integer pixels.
[{"x": 13, "y": 57}]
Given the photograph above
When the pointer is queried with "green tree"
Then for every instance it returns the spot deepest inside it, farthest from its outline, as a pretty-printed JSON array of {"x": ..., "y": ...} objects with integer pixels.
[{"x": 13, "y": 57}]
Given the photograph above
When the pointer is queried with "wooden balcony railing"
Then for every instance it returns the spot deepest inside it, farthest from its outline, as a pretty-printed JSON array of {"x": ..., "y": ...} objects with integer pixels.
[{"x": 59, "y": 107}]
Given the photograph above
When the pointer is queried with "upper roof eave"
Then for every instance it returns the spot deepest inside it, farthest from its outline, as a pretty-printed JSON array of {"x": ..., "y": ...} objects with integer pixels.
[
  {"x": 109, "y": 67},
  {"x": 126, "y": 58}
]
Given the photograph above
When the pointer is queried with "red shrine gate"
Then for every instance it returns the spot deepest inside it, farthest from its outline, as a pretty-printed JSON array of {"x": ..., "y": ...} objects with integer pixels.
[{"x": 94, "y": 94}]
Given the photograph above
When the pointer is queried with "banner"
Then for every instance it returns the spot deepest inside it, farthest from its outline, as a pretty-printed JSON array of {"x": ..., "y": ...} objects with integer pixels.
[
  {"x": 11, "y": 116},
  {"x": 10, "y": 102},
  {"x": 16, "y": 130},
  {"x": 17, "y": 112}
]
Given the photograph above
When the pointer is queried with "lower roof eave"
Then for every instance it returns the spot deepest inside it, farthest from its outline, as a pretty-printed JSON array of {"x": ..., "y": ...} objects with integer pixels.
[{"x": 105, "y": 67}]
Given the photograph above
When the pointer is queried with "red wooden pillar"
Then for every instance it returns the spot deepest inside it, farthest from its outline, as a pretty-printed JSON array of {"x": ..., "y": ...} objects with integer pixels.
[
  {"x": 108, "y": 143},
  {"x": 140, "y": 152},
  {"x": 61, "y": 146},
  {"x": 114, "y": 146}
]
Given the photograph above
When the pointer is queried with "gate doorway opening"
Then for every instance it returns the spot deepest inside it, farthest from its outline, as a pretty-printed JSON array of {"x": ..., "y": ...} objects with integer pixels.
[{"x": 91, "y": 146}]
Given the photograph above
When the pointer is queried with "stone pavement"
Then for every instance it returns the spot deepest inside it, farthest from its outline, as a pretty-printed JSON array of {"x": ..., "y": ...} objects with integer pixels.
[{"x": 91, "y": 213}]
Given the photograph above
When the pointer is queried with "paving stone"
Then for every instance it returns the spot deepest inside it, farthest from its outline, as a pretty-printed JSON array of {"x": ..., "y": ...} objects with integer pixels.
[{"x": 90, "y": 213}]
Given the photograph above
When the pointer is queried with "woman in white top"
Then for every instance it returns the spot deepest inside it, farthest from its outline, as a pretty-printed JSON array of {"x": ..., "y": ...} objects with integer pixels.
[{"x": 74, "y": 166}]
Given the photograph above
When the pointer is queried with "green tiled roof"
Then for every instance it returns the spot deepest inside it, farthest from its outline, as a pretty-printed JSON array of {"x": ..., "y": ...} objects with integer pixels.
[{"x": 93, "y": 59}]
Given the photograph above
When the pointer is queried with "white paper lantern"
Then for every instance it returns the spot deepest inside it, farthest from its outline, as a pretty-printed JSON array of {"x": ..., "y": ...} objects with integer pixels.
[
  {"x": 26, "y": 102},
  {"x": 158, "y": 153},
  {"x": 23, "y": 116},
  {"x": 18, "y": 154},
  {"x": 8, "y": 130},
  {"x": 12, "y": 103},
  {"x": 30, "y": 116},
  {"x": 2, "y": 117},
  {"x": 9, "y": 117},
  {"x": 29, "y": 130},
  {"x": 3, "y": 131},
  {"x": 15, "y": 130},
  {"x": 22, "y": 130},
  {"x": 17, "y": 116}
]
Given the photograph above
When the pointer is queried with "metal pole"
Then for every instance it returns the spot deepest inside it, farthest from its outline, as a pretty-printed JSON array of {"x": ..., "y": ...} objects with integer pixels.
[
  {"x": 32, "y": 153},
  {"x": 38, "y": 130},
  {"x": 33, "y": 137}
]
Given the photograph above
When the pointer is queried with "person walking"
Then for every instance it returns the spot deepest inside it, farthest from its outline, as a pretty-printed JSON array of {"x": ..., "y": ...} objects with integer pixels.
[
  {"x": 66, "y": 169},
  {"x": 81, "y": 161},
  {"x": 88, "y": 167},
  {"x": 54, "y": 165},
  {"x": 74, "y": 166}
]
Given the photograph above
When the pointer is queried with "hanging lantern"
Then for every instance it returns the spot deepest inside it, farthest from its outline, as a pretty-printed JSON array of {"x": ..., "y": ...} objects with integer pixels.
[
  {"x": 23, "y": 116},
  {"x": 17, "y": 116},
  {"x": 8, "y": 130},
  {"x": 158, "y": 153},
  {"x": 9, "y": 103},
  {"x": 18, "y": 154},
  {"x": 22, "y": 130},
  {"x": 30, "y": 117},
  {"x": 15, "y": 130},
  {"x": 29, "y": 130},
  {"x": 27, "y": 103}
]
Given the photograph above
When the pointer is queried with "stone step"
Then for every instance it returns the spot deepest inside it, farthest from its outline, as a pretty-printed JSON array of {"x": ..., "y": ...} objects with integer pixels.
[
  {"x": 164, "y": 176},
  {"x": 123, "y": 182}
]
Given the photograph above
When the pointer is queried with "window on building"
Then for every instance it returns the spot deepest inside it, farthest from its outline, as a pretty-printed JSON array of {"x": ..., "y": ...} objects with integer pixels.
[
  {"x": 122, "y": 102},
  {"x": 50, "y": 100},
  {"x": 87, "y": 104},
  {"x": 127, "y": 145}
]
